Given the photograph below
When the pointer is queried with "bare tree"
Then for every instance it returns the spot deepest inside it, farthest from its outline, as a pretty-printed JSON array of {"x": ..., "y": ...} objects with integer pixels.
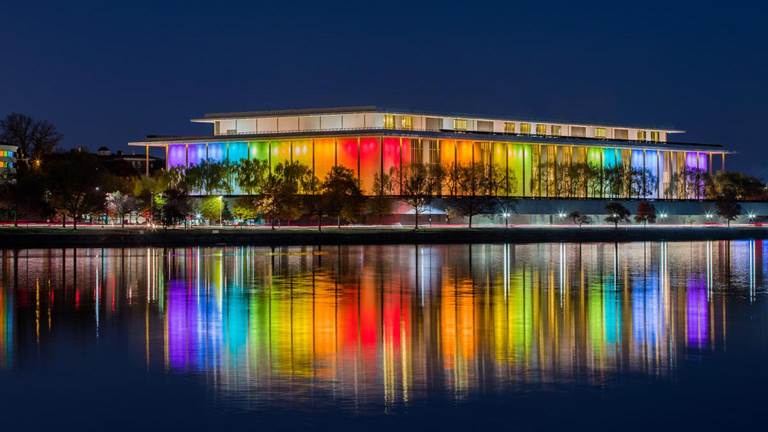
[{"x": 34, "y": 138}]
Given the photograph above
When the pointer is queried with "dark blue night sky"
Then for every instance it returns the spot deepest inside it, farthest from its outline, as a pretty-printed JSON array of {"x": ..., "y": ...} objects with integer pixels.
[{"x": 107, "y": 74}]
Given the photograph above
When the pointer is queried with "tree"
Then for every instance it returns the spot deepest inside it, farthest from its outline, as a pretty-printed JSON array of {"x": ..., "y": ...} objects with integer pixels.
[
  {"x": 211, "y": 208},
  {"x": 73, "y": 182},
  {"x": 728, "y": 206},
  {"x": 474, "y": 187},
  {"x": 742, "y": 186},
  {"x": 417, "y": 189},
  {"x": 251, "y": 175},
  {"x": 175, "y": 207},
  {"x": 646, "y": 212},
  {"x": 147, "y": 189},
  {"x": 616, "y": 213},
  {"x": 383, "y": 187},
  {"x": 209, "y": 177},
  {"x": 579, "y": 218},
  {"x": 244, "y": 209},
  {"x": 118, "y": 205},
  {"x": 278, "y": 200},
  {"x": 24, "y": 193},
  {"x": 506, "y": 206},
  {"x": 341, "y": 195},
  {"x": 35, "y": 139}
]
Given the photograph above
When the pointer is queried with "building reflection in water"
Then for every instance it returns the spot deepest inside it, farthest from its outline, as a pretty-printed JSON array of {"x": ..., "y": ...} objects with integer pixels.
[{"x": 387, "y": 324}]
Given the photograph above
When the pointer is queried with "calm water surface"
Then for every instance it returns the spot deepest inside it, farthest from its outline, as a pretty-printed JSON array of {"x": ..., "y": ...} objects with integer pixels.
[{"x": 540, "y": 336}]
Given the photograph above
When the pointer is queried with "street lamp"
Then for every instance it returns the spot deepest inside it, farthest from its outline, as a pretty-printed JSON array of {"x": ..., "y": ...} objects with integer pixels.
[
  {"x": 221, "y": 210},
  {"x": 506, "y": 219}
]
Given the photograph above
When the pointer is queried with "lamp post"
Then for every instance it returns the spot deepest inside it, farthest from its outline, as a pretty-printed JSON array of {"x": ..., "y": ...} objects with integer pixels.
[
  {"x": 221, "y": 210},
  {"x": 506, "y": 219}
]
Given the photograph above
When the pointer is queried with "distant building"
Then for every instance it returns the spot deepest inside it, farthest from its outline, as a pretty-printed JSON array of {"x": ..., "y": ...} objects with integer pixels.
[
  {"x": 7, "y": 159},
  {"x": 128, "y": 165}
]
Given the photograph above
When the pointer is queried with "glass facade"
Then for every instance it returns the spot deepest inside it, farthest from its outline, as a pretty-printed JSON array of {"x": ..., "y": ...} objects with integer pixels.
[{"x": 522, "y": 169}]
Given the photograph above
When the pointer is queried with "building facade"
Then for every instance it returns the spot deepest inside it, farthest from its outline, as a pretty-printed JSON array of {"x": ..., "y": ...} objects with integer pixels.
[
  {"x": 535, "y": 159},
  {"x": 7, "y": 159}
]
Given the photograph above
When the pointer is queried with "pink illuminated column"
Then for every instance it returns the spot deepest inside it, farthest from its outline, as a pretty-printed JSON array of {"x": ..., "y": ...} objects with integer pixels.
[
  {"x": 390, "y": 150},
  {"x": 370, "y": 163},
  {"x": 347, "y": 155}
]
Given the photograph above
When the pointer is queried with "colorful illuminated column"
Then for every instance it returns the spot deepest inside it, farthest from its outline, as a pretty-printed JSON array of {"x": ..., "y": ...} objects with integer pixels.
[
  {"x": 370, "y": 163},
  {"x": 391, "y": 157},
  {"x": 302, "y": 152},
  {"x": 280, "y": 152},
  {"x": 347, "y": 154},
  {"x": 217, "y": 152},
  {"x": 237, "y": 152},
  {"x": 324, "y": 156},
  {"x": 258, "y": 150},
  {"x": 196, "y": 153},
  {"x": 177, "y": 156}
]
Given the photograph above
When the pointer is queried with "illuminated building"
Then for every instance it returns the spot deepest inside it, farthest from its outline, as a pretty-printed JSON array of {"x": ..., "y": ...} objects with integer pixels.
[
  {"x": 7, "y": 159},
  {"x": 532, "y": 157}
]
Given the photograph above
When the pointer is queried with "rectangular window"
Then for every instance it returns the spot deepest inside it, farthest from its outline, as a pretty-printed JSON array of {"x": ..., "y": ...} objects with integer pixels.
[
  {"x": 525, "y": 128},
  {"x": 434, "y": 152},
  {"x": 406, "y": 123},
  {"x": 389, "y": 121},
  {"x": 621, "y": 134},
  {"x": 600, "y": 133},
  {"x": 641, "y": 135},
  {"x": 655, "y": 136},
  {"x": 434, "y": 124},
  {"x": 556, "y": 130},
  {"x": 541, "y": 129},
  {"x": 578, "y": 131},
  {"x": 484, "y": 126},
  {"x": 460, "y": 124},
  {"x": 509, "y": 127},
  {"x": 417, "y": 154}
]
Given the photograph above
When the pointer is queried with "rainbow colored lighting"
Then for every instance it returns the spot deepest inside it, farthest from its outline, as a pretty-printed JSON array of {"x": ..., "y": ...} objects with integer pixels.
[{"x": 369, "y": 156}]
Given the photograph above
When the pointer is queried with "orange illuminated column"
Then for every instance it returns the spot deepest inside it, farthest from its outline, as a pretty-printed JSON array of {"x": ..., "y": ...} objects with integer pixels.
[
  {"x": 347, "y": 154},
  {"x": 464, "y": 153},
  {"x": 280, "y": 152},
  {"x": 447, "y": 159},
  {"x": 325, "y": 156},
  {"x": 391, "y": 162},
  {"x": 302, "y": 152},
  {"x": 370, "y": 163}
]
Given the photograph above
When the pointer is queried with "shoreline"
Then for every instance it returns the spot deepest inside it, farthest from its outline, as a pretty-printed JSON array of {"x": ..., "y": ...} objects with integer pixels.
[{"x": 25, "y": 238}]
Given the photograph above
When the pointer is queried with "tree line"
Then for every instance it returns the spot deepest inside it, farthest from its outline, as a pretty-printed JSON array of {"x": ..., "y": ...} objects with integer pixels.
[{"x": 73, "y": 185}]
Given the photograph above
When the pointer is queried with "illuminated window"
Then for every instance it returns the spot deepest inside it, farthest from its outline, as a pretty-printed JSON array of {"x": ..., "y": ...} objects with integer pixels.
[
  {"x": 525, "y": 128},
  {"x": 417, "y": 152},
  {"x": 600, "y": 133},
  {"x": 406, "y": 123},
  {"x": 389, "y": 121},
  {"x": 555, "y": 130},
  {"x": 459, "y": 124},
  {"x": 541, "y": 129},
  {"x": 434, "y": 152},
  {"x": 509, "y": 127},
  {"x": 655, "y": 136},
  {"x": 641, "y": 135}
]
